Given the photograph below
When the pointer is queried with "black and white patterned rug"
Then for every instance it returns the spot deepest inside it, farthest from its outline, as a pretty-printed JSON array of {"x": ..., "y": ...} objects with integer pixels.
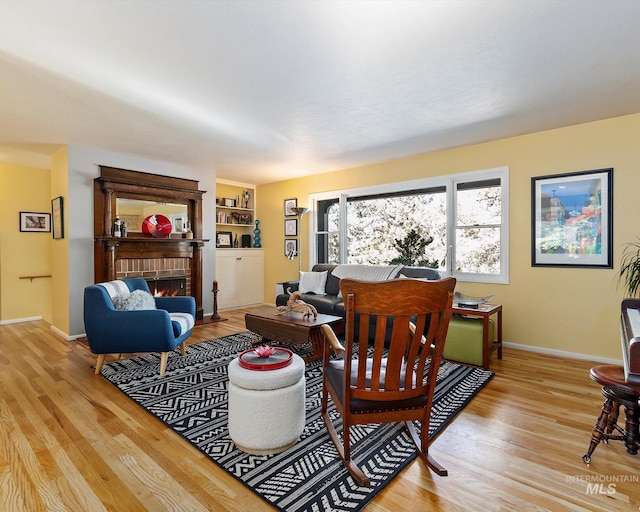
[{"x": 191, "y": 398}]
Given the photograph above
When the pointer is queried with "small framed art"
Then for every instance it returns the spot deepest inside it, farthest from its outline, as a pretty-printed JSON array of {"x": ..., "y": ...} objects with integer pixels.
[
  {"x": 178, "y": 222},
  {"x": 290, "y": 247},
  {"x": 57, "y": 215},
  {"x": 32, "y": 222},
  {"x": 291, "y": 227},
  {"x": 289, "y": 204},
  {"x": 223, "y": 239}
]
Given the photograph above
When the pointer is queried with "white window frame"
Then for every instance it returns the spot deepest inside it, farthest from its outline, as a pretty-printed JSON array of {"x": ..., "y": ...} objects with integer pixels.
[{"x": 450, "y": 182}]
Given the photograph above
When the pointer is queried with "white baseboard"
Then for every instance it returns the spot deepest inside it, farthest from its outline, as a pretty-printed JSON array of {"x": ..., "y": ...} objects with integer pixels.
[
  {"x": 20, "y": 320},
  {"x": 561, "y": 353},
  {"x": 66, "y": 336}
]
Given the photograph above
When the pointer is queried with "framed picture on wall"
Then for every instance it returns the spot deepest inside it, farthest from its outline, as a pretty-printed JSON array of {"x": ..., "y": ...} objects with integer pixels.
[
  {"x": 289, "y": 204},
  {"x": 290, "y": 247},
  {"x": 291, "y": 227},
  {"x": 32, "y": 222},
  {"x": 57, "y": 214},
  {"x": 572, "y": 219}
]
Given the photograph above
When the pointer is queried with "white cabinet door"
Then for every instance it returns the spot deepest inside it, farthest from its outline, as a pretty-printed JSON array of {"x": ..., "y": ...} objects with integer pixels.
[
  {"x": 240, "y": 276},
  {"x": 226, "y": 277},
  {"x": 250, "y": 278}
]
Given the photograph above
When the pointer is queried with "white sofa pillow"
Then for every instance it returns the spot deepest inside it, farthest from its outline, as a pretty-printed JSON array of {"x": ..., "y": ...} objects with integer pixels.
[
  {"x": 313, "y": 282},
  {"x": 136, "y": 300}
]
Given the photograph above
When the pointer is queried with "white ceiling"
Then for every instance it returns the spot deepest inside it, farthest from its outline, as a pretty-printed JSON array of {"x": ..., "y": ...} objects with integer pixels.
[{"x": 263, "y": 90}]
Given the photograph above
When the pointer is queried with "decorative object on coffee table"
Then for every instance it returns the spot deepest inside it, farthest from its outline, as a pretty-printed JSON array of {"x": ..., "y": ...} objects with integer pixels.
[
  {"x": 265, "y": 358},
  {"x": 297, "y": 305}
]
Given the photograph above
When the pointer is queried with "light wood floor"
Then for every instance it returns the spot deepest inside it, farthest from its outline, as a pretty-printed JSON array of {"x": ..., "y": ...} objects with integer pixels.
[{"x": 71, "y": 441}]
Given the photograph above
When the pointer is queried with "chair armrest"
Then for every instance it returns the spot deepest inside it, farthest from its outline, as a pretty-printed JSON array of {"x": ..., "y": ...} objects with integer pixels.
[
  {"x": 333, "y": 340},
  {"x": 289, "y": 284},
  {"x": 182, "y": 304}
]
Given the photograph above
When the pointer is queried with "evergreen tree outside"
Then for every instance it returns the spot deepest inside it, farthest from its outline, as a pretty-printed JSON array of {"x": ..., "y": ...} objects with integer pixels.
[{"x": 412, "y": 250}]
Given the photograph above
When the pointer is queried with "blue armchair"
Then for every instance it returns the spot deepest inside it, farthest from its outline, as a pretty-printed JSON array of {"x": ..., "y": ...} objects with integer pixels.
[{"x": 116, "y": 331}]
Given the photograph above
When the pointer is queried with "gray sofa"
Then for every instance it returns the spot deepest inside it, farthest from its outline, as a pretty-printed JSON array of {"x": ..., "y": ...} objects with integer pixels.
[
  {"x": 331, "y": 303},
  {"x": 464, "y": 339}
]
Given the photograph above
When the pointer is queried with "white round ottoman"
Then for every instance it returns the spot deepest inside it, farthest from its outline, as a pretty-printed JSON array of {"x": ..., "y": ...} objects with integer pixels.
[{"x": 266, "y": 408}]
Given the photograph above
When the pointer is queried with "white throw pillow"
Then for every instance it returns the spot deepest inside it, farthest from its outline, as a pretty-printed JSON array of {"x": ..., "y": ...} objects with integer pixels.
[
  {"x": 313, "y": 282},
  {"x": 136, "y": 300}
]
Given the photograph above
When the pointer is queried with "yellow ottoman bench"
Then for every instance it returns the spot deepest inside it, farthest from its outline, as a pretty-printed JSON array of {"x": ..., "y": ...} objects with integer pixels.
[{"x": 464, "y": 340}]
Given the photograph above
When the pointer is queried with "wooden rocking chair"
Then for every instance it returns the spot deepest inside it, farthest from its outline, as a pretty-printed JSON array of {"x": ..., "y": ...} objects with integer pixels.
[{"x": 411, "y": 321}]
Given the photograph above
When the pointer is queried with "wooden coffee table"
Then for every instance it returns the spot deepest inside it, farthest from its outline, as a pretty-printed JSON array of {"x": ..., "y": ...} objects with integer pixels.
[{"x": 291, "y": 328}]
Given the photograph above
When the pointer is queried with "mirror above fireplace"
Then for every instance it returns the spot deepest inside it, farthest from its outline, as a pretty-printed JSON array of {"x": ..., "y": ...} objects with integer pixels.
[{"x": 134, "y": 211}]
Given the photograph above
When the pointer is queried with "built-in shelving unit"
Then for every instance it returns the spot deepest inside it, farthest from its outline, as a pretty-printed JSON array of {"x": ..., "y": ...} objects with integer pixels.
[
  {"x": 235, "y": 214},
  {"x": 239, "y": 270}
]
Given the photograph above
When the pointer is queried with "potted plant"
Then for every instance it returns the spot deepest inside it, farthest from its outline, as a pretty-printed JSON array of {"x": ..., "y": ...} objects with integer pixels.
[{"x": 630, "y": 268}]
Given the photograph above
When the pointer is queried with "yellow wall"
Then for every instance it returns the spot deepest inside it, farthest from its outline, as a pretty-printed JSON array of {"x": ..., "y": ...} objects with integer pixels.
[
  {"x": 60, "y": 247},
  {"x": 22, "y": 254},
  {"x": 574, "y": 310}
]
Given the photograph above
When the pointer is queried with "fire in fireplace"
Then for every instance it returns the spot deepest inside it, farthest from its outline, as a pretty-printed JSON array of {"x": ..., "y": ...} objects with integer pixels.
[{"x": 167, "y": 286}]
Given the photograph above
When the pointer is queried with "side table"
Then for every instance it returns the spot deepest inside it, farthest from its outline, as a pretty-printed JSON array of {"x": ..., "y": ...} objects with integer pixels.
[{"x": 485, "y": 311}]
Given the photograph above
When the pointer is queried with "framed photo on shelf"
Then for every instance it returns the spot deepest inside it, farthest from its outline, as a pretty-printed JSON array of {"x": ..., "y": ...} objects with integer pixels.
[
  {"x": 223, "y": 239},
  {"x": 289, "y": 204},
  {"x": 291, "y": 227},
  {"x": 57, "y": 217},
  {"x": 572, "y": 219},
  {"x": 290, "y": 247},
  {"x": 178, "y": 222},
  {"x": 32, "y": 222}
]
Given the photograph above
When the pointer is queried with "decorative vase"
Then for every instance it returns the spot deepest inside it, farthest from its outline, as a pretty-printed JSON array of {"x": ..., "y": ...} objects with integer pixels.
[{"x": 256, "y": 236}]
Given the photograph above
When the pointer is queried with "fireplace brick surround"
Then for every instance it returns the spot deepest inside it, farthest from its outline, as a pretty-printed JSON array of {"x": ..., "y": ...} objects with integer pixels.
[{"x": 155, "y": 267}]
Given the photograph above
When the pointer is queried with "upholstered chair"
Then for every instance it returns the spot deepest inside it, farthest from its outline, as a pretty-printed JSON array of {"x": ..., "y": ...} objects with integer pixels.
[{"x": 121, "y": 317}]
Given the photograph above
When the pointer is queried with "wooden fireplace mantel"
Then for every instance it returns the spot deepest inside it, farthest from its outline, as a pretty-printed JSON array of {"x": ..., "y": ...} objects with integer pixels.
[{"x": 116, "y": 183}]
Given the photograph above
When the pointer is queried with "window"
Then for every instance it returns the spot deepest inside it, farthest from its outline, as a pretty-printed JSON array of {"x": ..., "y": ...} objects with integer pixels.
[{"x": 465, "y": 214}]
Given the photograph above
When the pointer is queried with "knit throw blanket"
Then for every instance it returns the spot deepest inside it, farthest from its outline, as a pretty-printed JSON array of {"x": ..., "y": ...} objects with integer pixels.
[{"x": 367, "y": 272}]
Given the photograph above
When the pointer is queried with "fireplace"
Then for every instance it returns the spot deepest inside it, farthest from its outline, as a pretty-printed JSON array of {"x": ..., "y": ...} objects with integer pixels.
[
  {"x": 167, "y": 286},
  {"x": 141, "y": 254}
]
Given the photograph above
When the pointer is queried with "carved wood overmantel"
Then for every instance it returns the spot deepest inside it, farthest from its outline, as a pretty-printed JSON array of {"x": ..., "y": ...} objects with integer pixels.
[{"x": 114, "y": 184}]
